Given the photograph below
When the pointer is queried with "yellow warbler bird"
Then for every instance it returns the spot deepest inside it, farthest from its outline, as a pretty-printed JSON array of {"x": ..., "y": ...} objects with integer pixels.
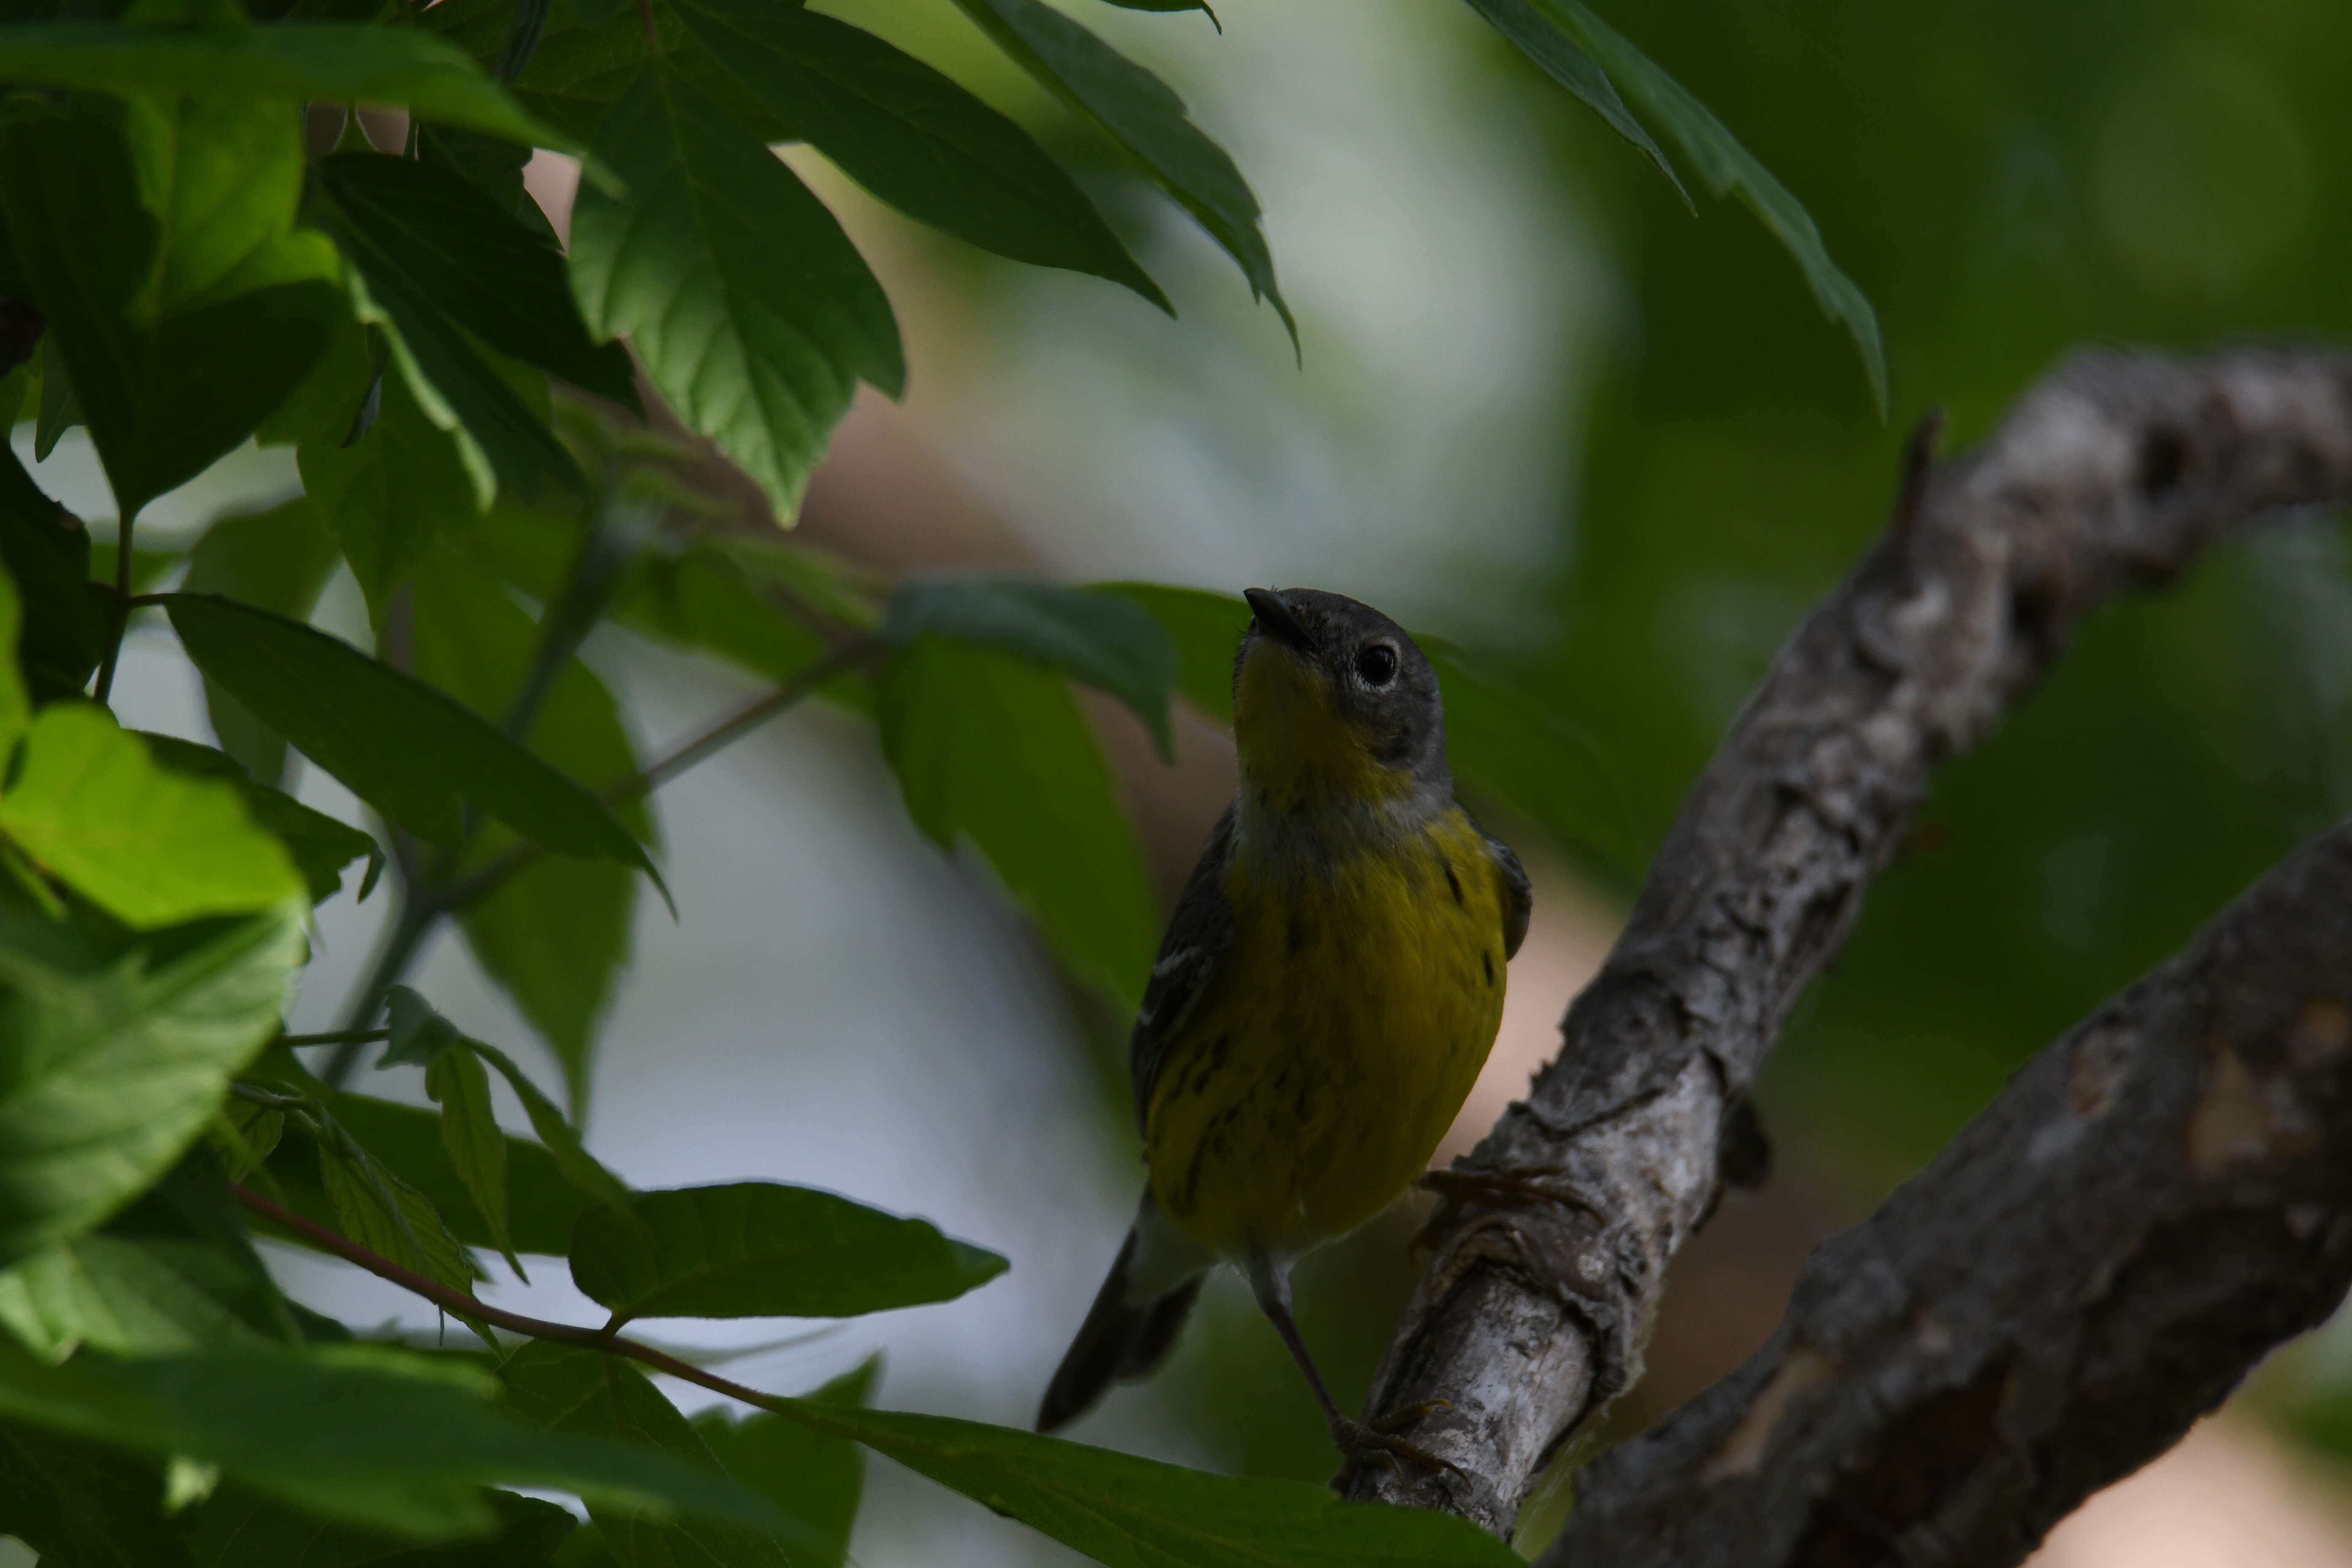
[{"x": 1327, "y": 990}]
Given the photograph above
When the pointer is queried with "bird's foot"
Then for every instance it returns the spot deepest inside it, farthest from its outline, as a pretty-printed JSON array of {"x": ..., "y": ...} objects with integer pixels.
[{"x": 1378, "y": 1443}]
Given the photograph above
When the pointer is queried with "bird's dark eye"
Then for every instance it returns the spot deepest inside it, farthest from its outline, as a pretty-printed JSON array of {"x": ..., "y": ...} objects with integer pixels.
[{"x": 1377, "y": 663}]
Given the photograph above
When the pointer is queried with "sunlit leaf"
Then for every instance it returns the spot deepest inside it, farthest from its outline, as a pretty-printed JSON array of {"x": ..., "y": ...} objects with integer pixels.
[
  {"x": 135, "y": 1042},
  {"x": 759, "y": 1249},
  {"x": 320, "y": 846},
  {"x": 748, "y": 306},
  {"x": 151, "y": 846}
]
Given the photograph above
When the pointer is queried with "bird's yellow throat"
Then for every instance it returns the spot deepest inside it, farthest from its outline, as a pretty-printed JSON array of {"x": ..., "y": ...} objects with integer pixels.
[{"x": 1299, "y": 752}]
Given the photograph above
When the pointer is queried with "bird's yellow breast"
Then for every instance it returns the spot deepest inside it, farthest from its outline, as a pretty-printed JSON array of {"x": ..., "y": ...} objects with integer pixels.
[{"x": 1314, "y": 1078}]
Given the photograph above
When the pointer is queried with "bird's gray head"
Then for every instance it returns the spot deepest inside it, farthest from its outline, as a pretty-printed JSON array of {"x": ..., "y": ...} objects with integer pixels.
[{"x": 1334, "y": 704}]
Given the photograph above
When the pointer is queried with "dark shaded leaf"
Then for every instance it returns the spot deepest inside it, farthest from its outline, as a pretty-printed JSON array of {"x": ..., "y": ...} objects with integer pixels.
[
  {"x": 1146, "y": 118},
  {"x": 392, "y": 1219},
  {"x": 1117, "y": 1508},
  {"x": 59, "y": 411},
  {"x": 360, "y": 1435},
  {"x": 419, "y": 1035},
  {"x": 16, "y": 703},
  {"x": 759, "y": 1249},
  {"x": 589, "y": 55},
  {"x": 1101, "y": 639},
  {"x": 478, "y": 1149},
  {"x": 493, "y": 167},
  {"x": 989, "y": 749},
  {"x": 1730, "y": 168},
  {"x": 388, "y": 496},
  {"x": 46, "y": 551},
  {"x": 914, "y": 138},
  {"x": 456, "y": 382},
  {"x": 1207, "y": 630},
  {"x": 151, "y": 350},
  {"x": 1541, "y": 40},
  {"x": 812, "y": 1476},
  {"x": 176, "y": 1270},
  {"x": 134, "y": 1041},
  {"x": 413, "y": 754},
  {"x": 339, "y": 63},
  {"x": 572, "y": 1159},
  {"x": 278, "y": 560},
  {"x": 744, "y": 597},
  {"x": 234, "y": 1529},
  {"x": 556, "y": 935},
  {"x": 441, "y": 239},
  {"x": 82, "y": 1506},
  {"x": 124, "y": 1295},
  {"x": 750, "y": 309},
  {"x": 564, "y": 1389},
  {"x": 543, "y": 1204}
]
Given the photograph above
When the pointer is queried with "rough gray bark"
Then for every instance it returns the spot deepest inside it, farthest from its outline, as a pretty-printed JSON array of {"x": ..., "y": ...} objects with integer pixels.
[
  {"x": 2158, "y": 1200},
  {"x": 2112, "y": 474}
]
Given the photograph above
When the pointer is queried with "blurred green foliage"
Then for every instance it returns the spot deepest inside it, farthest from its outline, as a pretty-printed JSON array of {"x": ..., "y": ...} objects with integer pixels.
[{"x": 2010, "y": 183}]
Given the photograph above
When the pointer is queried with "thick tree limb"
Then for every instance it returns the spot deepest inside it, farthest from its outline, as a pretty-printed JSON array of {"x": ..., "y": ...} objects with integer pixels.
[
  {"x": 2160, "y": 1198},
  {"x": 2112, "y": 474}
]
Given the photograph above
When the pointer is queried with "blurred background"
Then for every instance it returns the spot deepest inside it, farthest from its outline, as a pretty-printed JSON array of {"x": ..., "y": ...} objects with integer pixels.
[{"x": 1614, "y": 449}]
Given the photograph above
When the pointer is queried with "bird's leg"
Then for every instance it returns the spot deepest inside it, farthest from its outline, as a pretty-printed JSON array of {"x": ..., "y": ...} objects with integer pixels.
[{"x": 1357, "y": 1442}]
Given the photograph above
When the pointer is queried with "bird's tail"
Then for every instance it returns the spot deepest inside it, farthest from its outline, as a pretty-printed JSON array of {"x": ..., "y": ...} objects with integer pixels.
[{"x": 1129, "y": 1331}]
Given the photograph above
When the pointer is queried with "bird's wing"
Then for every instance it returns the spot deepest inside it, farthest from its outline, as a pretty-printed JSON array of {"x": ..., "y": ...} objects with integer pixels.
[
  {"x": 1199, "y": 935},
  {"x": 1519, "y": 897}
]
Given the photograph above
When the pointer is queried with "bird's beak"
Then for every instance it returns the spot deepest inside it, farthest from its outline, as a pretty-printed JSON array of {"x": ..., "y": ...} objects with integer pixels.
[{"x": 1278, "y": 620}]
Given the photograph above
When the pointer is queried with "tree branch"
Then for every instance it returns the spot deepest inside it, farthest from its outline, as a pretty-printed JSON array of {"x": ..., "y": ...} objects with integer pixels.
[
  {"x": 2112, "y": 474},
  {"x": 2158, "y": 1200}
]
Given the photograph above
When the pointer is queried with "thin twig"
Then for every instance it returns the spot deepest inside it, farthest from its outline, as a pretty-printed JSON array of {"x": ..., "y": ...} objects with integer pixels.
[
  {"x": 466, "y": 1305},
  {"x": 844, "y": 657}
]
